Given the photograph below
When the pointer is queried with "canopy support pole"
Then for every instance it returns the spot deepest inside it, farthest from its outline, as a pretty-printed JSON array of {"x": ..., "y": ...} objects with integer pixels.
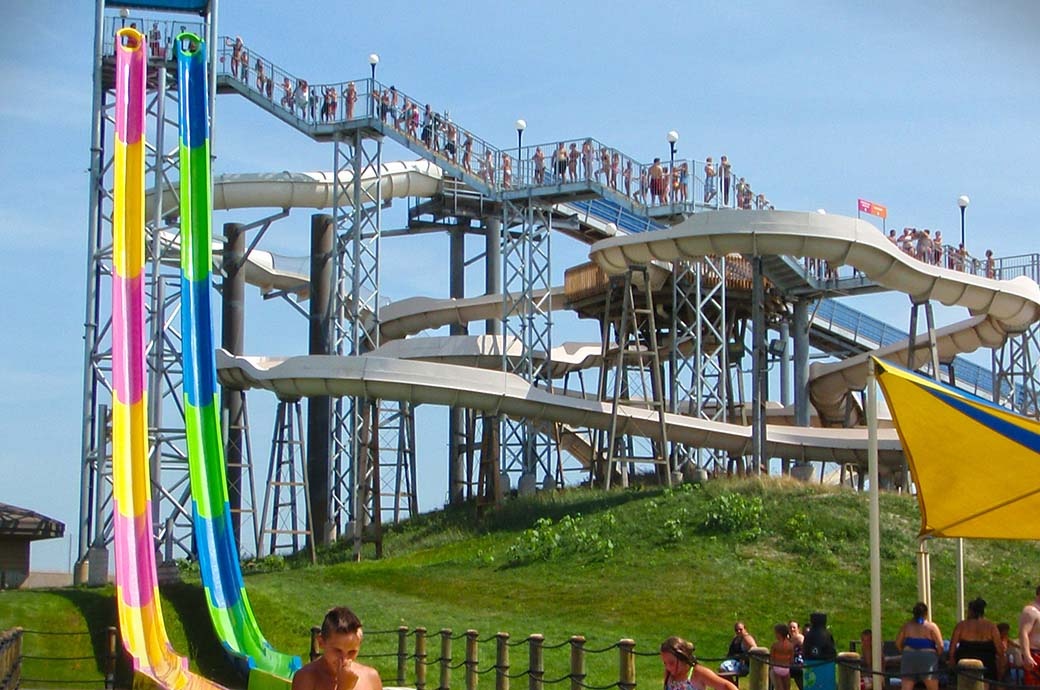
[{"x": 875, "y": 530}]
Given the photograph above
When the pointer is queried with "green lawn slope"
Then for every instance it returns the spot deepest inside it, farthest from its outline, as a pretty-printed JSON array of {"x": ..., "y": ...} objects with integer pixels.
[{"x": 642, "y": 564}]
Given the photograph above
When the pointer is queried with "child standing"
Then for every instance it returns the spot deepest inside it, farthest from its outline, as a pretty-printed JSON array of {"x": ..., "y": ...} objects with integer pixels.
[
  {"x": 337, "y": 668},
  {"x": 781, "y": 655}
]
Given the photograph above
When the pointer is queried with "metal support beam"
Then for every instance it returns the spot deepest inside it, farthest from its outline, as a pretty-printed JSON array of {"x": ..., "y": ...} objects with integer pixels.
[
  {"x": 526, "y": 326},
  {"x": 801, "y": 362},
  {"x": 759, "y": 367},
  {"x": 319, "y": 408}
]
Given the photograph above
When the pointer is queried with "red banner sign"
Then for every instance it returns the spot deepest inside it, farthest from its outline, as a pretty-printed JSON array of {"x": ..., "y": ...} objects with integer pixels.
[{"x": 872, "y": 208}]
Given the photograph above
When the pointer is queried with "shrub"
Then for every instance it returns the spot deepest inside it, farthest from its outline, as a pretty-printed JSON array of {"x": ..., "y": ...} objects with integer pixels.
[{"x": 733, "y": 513}]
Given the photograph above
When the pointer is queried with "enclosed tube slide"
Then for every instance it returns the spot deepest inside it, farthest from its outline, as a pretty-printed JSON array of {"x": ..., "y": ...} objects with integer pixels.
[
  {"x": 226, "y": 597},
  {"x": 141, "y": 623}
]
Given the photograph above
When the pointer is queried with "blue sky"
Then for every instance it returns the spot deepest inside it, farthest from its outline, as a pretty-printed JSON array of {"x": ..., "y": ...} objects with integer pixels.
[{"x": 817, "y": 103}]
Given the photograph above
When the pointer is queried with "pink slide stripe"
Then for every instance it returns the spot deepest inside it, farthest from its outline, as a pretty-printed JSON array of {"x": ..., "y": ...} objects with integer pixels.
[
  {"x": 132, "y": 568},
  {"x": 128, "y": 346},
  {"x": 130, "y": 64}
]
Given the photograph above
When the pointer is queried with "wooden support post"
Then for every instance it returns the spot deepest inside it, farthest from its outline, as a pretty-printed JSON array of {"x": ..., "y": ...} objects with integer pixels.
[
  {"x": 626, "y": 664},
  {"x": 420, "y": 658},
  {"x": 314, "y": 652},
  {"x": 969, "y": 675},
  {"x": 402, "y": 654},
  {"x": 502, "y": 661},
  {"x": 472, "y": 659},
  {"x": 758, "y": 668},
  {"x": 848, "y": 670},
  {"x": 445, "y": 660},
  {"x": 536, "y": 666},
  {"x": 577, "y": 662}
]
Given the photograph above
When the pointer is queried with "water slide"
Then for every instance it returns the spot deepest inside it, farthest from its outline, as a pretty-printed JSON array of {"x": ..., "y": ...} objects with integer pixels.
[
  {"x": 140, "y": 616},
  {"x": 233, "y": 620},
  {"x": 998, "y": 308},
  {"x": 864, "y": 248}
]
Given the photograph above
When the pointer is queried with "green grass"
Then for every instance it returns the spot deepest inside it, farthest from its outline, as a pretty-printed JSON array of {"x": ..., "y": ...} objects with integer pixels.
[{"x": 640, "y": 564}]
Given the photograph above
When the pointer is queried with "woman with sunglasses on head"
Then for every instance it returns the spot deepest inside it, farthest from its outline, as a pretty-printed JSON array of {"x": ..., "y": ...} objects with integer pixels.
[{"x": 682, "y": 672}]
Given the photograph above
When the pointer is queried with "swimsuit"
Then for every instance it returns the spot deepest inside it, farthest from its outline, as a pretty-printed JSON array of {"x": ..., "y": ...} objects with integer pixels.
[
  {"x": 920, "y": 659},
  {"x": 1031, "y": 676}
]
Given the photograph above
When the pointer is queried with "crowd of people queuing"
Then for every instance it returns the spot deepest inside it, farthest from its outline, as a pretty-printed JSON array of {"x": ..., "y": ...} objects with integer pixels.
[
  {"x": 651, "y": 184},
  {"x": 924, "y": 246}
]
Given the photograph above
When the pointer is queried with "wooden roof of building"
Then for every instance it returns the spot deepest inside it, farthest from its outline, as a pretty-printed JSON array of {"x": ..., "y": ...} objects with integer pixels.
[{"x": 26, "y": 524}]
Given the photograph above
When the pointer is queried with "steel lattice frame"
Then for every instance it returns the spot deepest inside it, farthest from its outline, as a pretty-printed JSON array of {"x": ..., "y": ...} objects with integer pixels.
[
  {"x": 527, "y": 321},
  {"x": 171, "y": 485},
  {"x": 708, "y": 386},
  {"x": 1015, "y": 373},
  {"x": 360, "y": 480}
]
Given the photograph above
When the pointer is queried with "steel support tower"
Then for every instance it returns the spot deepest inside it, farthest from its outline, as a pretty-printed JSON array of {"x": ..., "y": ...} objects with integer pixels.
[
  {"x": 171, "y": 486},
  {"x": 527, "y": 326}
]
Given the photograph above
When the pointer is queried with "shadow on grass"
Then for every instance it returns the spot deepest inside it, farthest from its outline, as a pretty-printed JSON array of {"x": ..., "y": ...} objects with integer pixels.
[
  {"x": 98, "y": 608},
  {"x": 189, "y": 601}
]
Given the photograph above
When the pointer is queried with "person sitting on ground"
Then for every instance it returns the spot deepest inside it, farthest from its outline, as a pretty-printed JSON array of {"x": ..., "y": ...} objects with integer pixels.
[
  {"x": 781, "y": 657},
  {"x": 920, "y": 642},
  {"x": 736, "y": 657},
  {"x": 682, "y": 672},
  {"x": 978, "y": 638},
  {"x": 337, "y": 668}
]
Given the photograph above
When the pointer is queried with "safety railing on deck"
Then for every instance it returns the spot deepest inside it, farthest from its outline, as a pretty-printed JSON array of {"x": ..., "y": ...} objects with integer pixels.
[{"x": 159, "y": 33}]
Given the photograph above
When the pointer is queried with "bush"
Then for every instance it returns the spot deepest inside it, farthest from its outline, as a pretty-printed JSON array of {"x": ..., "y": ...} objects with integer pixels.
[
  {"x": 586, "y": 539},
  {"x": 733, "y": 513}
]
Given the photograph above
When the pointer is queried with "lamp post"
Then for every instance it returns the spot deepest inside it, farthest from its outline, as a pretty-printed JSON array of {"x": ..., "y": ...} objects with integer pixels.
[
  {"x": 373, "y": 60},
  {"x": 673, "y": 137},
  {"x": 521, "y": 125},
  {"x": 963, "y": 202}
]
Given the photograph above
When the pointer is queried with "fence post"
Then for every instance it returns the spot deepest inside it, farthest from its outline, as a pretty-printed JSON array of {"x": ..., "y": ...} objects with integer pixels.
[
  {"x": 626, "y": 664},
  {"x": 445, "y": 659},
  {"x": 969, "y": 675},
  {"x": 758, "y": 668},
  {"x": 402, "y": 654},
  {"x": 420, "y": 658},
  {"x": 536, "y": 667},
  {"x": 577, "y": 661},
  {"x": 472, "y": 659},
  {"x": 501, "y": 661},
  {"x": 315, "y": 652},
  {"x": 111, "y": 637},
  {"x": 848, "y": 671}
]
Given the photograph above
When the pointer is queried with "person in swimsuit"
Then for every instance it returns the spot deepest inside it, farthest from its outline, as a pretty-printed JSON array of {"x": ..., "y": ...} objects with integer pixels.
[
  {"x": 539, "y": 165},
  {"x": 737, "y": 655},
  {"x": 572, "y": 162},
  {"x": 682, "y": 672},
  {"x": 586, "y": 158},
  {"x": 656, "y": 182},
  {"x": 978, "y": 638},
  {"x": 797, "y": 641},
  {"x": 560, "y": 159},
  {"x": 781, "y": 657},
  {"x": 1029, "y": 640},
  {"x": 919, "y": 640}
]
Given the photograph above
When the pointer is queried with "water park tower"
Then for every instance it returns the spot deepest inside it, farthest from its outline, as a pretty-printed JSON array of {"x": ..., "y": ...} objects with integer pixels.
[{"x": 719, "y": 318}]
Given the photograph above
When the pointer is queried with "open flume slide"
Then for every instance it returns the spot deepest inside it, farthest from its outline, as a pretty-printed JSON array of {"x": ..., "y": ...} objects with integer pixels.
[
  {"x": 141, "y": 624},
  {"x": 999, "y": 307},
  {"x": 226, "y": 596},
  {"x": 498, "y": 392}
]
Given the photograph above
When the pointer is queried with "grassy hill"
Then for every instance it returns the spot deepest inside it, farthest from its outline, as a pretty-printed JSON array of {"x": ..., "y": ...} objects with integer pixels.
[{"x": 642, "y": 563}]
